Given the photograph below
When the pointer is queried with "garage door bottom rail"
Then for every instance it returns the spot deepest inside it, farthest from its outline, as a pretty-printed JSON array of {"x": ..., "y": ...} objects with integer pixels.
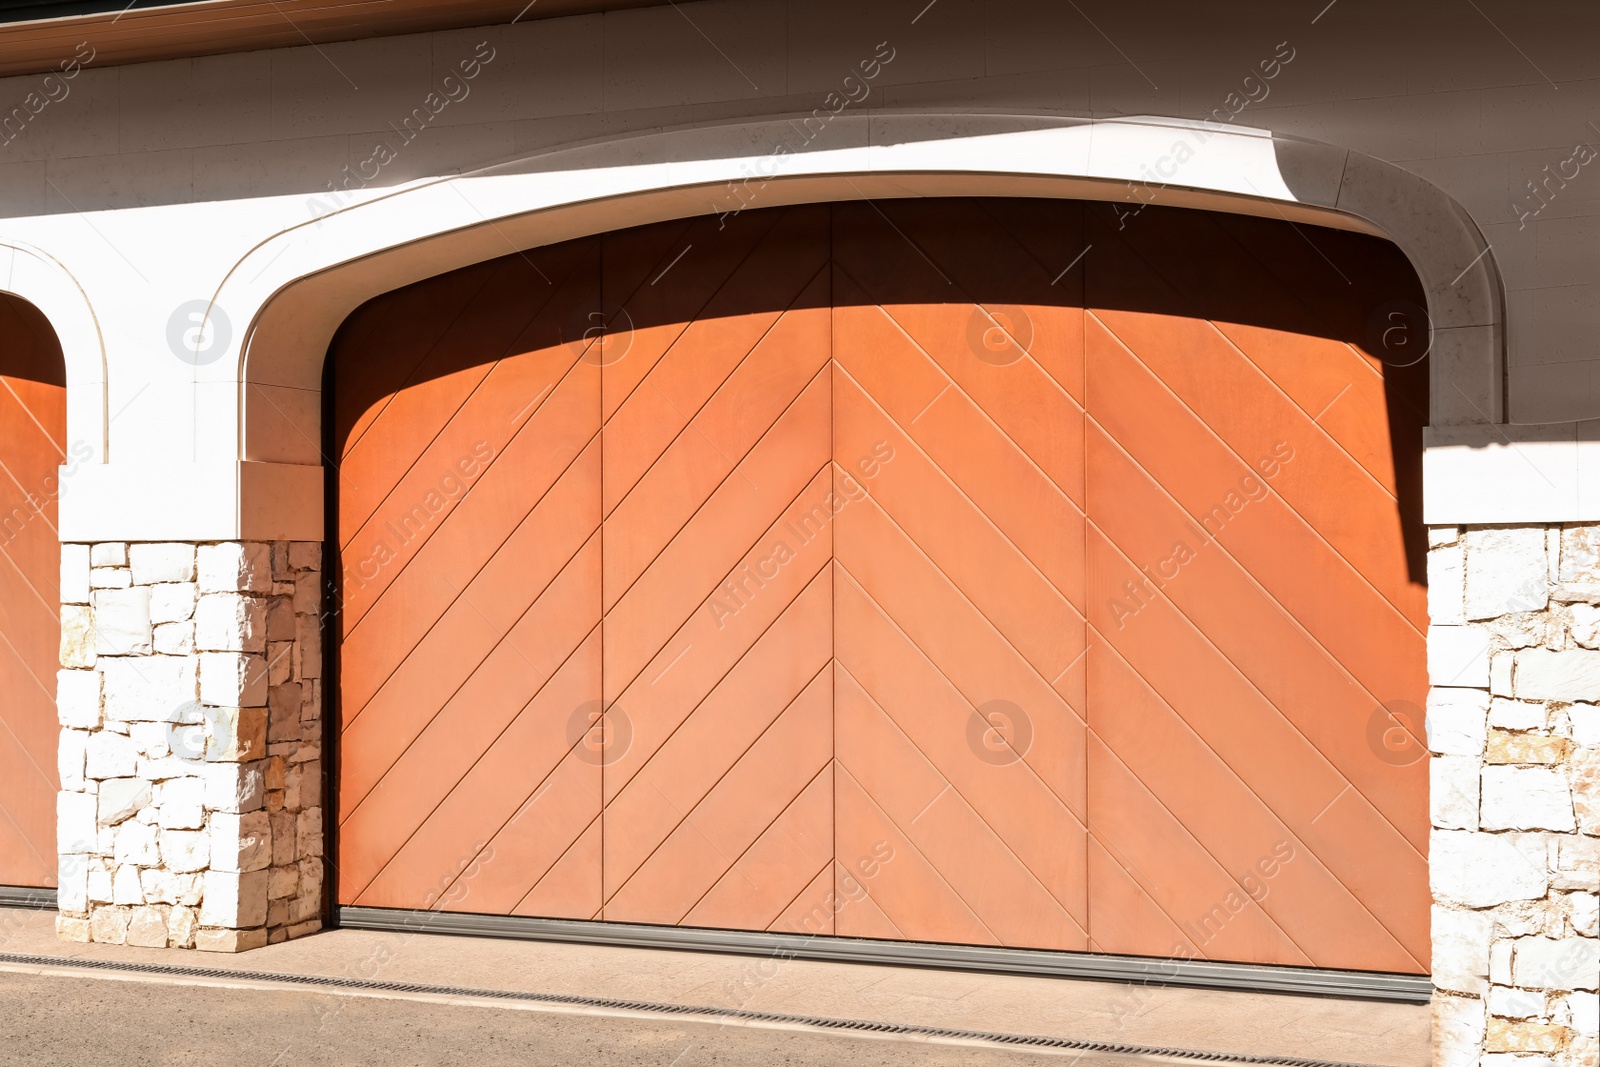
[
  {"x": 1257, "y": 978},
  {"x": 15, "y": 896}
]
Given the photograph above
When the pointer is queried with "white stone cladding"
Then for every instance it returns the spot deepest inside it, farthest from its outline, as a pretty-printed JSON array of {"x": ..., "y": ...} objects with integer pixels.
[
  {"x": 190, "y": 697},
  {"x": 1514, "y": 730}
]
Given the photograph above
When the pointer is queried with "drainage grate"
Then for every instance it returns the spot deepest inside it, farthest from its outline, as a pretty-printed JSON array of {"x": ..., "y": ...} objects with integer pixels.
[{"x": 683, "y": 1010}]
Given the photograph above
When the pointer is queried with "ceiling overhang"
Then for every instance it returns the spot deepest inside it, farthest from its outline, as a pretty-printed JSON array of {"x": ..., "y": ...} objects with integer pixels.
[{"x": 36, "y": 37}]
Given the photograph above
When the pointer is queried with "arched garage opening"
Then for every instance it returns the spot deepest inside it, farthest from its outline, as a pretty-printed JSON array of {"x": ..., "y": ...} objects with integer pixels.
[
  {"x": 33, "y": 447},
  {"x": 984, "y": 572}
]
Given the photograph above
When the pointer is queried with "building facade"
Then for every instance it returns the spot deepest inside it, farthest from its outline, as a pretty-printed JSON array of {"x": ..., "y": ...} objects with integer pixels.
[{"x": 965, "y": 478}]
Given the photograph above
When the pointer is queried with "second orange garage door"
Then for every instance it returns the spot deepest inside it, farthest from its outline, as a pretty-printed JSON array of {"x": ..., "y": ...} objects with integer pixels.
[{"x": 988, "y": 572}]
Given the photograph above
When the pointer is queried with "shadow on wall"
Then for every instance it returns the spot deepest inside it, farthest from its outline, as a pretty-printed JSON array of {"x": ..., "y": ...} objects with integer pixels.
[{"x": 1236, "y": 271}]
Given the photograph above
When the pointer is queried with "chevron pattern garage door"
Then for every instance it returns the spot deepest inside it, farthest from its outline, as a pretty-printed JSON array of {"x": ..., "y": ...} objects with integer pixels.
[
  {"x": 988, "y": 572},
  {"x": 33, "y": 447}
]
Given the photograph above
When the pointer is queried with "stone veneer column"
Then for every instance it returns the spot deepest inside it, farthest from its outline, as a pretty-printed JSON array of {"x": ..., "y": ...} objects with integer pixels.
[
  {"x": 1514, "y": 728},
  {"x": 190, "y": 812}
]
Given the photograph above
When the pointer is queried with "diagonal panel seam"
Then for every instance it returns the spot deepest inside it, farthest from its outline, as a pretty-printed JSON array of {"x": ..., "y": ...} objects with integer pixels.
[
  {"x": 1340, "y": 556},
  {"x": 984, "y": 822},
  {"x": 1254, "y": 582},
  {"x": 1225, "y": 658},
  {"x": 503, "y": 639},
  {"x": 1285, "y": 827},
  {"x": 956, "y": 487},
  {"x": 721, "y": 678},
  {"x": 688, "y": 815},
  {"x": 462, "y": 591},
  {"x": 931, "y": 663},
  {"x": 477, "y": 760}
]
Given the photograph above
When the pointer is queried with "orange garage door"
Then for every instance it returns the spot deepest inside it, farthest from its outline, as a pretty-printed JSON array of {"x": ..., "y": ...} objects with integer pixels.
[
  {"x": 33, "y": 445},
  {"x": 976, "y": 571}
]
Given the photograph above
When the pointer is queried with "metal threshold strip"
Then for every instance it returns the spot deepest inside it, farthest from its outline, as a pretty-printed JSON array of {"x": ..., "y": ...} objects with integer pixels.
[
  {"x": 708, "y": 1014},
  {"x": 13, "y": 896},
  {"x": 1256, "y": 978}
]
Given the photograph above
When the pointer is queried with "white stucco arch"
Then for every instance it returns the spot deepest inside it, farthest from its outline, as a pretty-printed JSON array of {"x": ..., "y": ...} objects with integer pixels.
[
  {"x": 288, "y": 294},
  {"x": 43, "y": 281}
]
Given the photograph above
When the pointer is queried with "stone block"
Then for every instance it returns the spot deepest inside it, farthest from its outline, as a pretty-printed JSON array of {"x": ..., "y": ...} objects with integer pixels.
[
  {"x": 230, "y": 622},
  {"x": 148, "y": 689},
  {"x": 1453, "y": 792},
  {"x": 1583, "y": 912},
  {"x": 308, "y": 595},
  {"x": 147, "y": 928},
  {"x": 283, "y": 882},
  {"x": 74, "y": 574},
  {"x": 126, "y": 886},
  {"x": 186, "y": 851},
  {"x": 71, "y": 752},
  {"x": 1583, "y": 771},
  {"x": 229, "y": 940},
  {"x": 150, "y": 738},
  {"x": 108, "y": 554},
  {"x": 73, "y": 929},
  {"x": 1515, "y": 1003},
  {"x": 284, "y": 702},
  {"x": 1480, "y": 870},
  {"x": 1556, "y": 963},
  {"x": 305, "y": 555},
  {"x": 182, "y": 923},
  {"x": 308, "y": 833},
  {"x": 280, "y": 561},
  {"x": 1501, "y": 665},
  {"x": 1504, "y": 747},
  {"x": 121, "y": 798},
  {"x": 1506, "y": 571},
  {"x": 241, "y": 842},
  {"x": 234, "y": 900},
  {"x": 77, "y": 636},
  {"x": 234, "y": 787},
  {"x": 182, "y": 804},
  {"x": 280, "y": 662},
  {"x": 1457, "y": 1026},
  {"x": 1585, "y": 719},
  {"x": 169, "y": 887},
  {"x": 109, "y": 755},
  {"x": 1456, "y": 720},
  {"x": 1447, "y": 585},
  {"x": 152, "y": 563},
  {"x": 233, "y": 680},
  {"x": 1526, "y": 798},
  {"x": 234, "y": 567},
  {"x": 1585, "y": 628},
  {"x": 72, "y": 887},
  {"x": 78, "y": 699},
  {"x": 174, "y": 638},
  {"x": 308, "y": 645},
  {"x": 136, "y": 844},
  {"x": 234, "y": 735},
  {"x": 109, "y": 926},
  {"x": 1516, "y": 714},
  {"x": 280, "y": 619},
  {"x": 305, "y": 929},
  {"x": 172, "y": 602},
  {"x": 1584, "y": 1011},
  {"x": 100, "y": 889},
  {"x": 1580, "y": 554},
  {"x": 1571, "y": 675},
  {"x": 110, "y": 578},
  {"x": 77, "y": 828},
  {"x": 1461, "y": 950},
  {"x": 283, "y": 838},
  {"x": 1458, "y": 656},
  {"x": 122, "y": 622},
  {"x": 1443, "y": 535}
]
